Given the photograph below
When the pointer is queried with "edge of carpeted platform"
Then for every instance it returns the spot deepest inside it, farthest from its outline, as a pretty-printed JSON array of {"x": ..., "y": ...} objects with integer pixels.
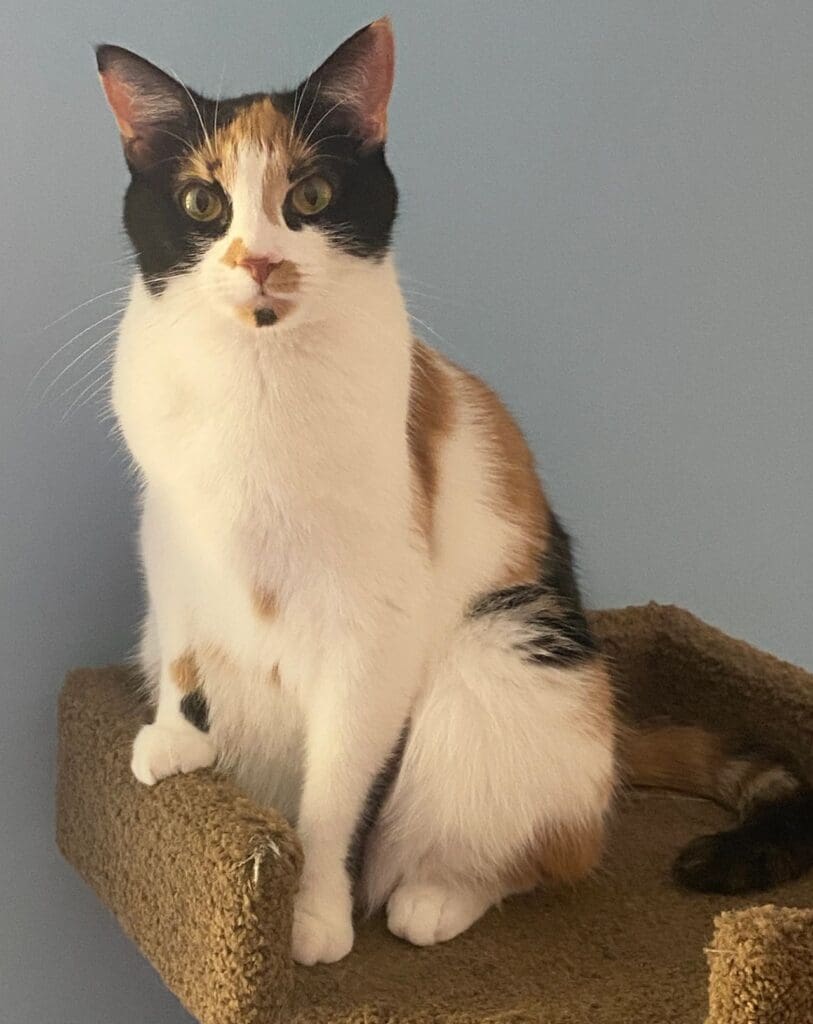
[
  {"x": 761, "y": 967},
  {"x": 210, "y": 904},
  {"x": 209, "y": 899}
]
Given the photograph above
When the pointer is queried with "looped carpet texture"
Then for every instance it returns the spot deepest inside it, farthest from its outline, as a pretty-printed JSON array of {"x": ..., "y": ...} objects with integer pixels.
[{"x": 203, "y": 880}]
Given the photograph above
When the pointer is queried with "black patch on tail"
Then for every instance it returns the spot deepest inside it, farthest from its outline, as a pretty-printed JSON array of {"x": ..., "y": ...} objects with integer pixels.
[
  {"x": 376, "y": 796},
  {"x": 774, "y": 844},
  {"x": 561, "y": 635},
  {"x": 195, "y": 709}
]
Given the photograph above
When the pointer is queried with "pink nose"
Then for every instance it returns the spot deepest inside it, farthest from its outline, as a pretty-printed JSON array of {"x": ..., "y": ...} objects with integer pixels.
[{"x": 259, "y": 266}]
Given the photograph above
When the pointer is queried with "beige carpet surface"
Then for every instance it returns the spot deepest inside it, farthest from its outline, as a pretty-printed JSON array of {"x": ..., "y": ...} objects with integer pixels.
[{"x": 203, "y": 880}]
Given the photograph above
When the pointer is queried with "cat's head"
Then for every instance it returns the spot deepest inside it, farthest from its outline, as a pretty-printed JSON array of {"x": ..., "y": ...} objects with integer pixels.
[{"x": 258, "y": 205}]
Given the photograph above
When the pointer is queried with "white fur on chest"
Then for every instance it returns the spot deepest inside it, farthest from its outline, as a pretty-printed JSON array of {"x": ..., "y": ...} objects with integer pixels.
[{"x": 273, "y": 462}]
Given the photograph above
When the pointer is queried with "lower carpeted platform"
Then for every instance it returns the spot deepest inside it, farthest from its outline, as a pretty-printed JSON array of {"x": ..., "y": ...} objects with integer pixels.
[{"x": 203, "y": 880}]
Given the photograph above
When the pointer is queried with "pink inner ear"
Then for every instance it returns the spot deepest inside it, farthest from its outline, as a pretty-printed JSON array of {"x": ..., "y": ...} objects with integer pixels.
[
  {"x": 121, "y": 103},
  {"x": 379, "y": 69},
  {"x": 359, "y": 74}
]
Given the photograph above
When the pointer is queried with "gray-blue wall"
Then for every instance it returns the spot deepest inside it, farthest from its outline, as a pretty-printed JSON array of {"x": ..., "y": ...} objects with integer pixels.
[{"x": 607, "y": 211}]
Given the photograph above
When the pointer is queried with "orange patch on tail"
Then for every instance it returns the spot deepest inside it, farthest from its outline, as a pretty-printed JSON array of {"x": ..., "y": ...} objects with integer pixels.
[{"x": 680, "y": 757}]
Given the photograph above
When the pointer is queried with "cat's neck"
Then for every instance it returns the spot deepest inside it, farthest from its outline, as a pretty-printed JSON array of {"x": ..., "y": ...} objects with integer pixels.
[{"x": 195, "y": 388}]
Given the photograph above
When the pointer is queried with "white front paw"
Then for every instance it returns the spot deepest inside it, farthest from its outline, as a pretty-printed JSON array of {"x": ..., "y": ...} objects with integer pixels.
[
  {"x": 322, "y": 933},
  {"x": 160, "y": 750}
]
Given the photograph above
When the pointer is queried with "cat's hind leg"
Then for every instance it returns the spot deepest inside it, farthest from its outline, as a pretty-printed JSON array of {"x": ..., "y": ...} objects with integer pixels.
[{"x": 505, "y": 782}]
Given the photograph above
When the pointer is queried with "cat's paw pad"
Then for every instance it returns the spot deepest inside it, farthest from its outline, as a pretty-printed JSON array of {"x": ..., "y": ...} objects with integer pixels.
[
  {"x": 160, "y": 751},
  {"x": 424, "y": 914},
  {"x": 318, "y": 937}
]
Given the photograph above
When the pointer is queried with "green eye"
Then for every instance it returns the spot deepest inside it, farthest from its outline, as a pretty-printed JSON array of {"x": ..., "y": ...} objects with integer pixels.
[
  {"x": 200, "y": 202},
  {"x": 311, "y": 195}
]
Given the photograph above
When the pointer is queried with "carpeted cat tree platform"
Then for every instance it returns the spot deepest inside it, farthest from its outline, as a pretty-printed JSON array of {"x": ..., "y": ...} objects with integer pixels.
[{"x": 203, "y": 880}]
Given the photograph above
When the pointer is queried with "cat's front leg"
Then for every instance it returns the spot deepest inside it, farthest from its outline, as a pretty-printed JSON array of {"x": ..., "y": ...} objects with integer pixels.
[
  {"x": 177, "y": 740},
  {"x": 355, "y": 718}
]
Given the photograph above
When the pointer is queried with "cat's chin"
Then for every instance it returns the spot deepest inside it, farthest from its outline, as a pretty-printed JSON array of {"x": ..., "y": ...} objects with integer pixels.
[{"x": 266, "y": 314}]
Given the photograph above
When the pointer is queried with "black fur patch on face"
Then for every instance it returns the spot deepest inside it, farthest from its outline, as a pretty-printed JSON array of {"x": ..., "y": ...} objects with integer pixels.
[
  {"x": 551, "y": 608},
  {"x": 774, "y": 844},
  {"x": 195, "y": 709},
  {"x": 358, "y": 220},
  {"x": 166, "y": 240},
  {"x": 360, "y": 216}
]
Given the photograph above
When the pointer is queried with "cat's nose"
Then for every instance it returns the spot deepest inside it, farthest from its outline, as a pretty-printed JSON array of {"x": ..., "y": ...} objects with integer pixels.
[{"x": 260, "y": 266}]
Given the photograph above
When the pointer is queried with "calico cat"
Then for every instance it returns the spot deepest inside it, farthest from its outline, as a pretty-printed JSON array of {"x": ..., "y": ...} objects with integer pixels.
[{"x": 360, "y": 601}]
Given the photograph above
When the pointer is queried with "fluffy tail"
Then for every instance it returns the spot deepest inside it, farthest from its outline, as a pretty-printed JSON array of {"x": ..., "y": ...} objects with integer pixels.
[{"x": 773, "y": 841}]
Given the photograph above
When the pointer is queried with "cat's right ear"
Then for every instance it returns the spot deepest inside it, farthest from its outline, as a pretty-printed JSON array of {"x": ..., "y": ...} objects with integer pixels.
[{"x": 151, "y": 108}]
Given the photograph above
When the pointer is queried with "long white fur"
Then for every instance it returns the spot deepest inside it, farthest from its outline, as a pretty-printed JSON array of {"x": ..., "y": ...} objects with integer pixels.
[{"x": 276, "y": 458}]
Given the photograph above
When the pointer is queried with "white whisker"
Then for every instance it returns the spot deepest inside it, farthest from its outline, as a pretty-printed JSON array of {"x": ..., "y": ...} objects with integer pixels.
[
  {"x": 77, "y": 359},
  {"x": 66, "y": 391},
  {"x": 102, "y": 379},
  {"x": 327, "y": 113},
  {"x": 433, "y": 332},
  {"x": 197, "y": 110},
  {"x": 219, "y": 91},
  {"x": 71, "y": 341},
  {"x": 82, "y": 305},
  {"x": 313, "y": 101},
  {"x": 173, "y": 135}
]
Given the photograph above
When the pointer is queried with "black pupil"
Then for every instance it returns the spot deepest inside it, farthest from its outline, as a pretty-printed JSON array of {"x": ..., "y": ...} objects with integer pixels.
[
  {"x": 311, "y": 194},
  {"x": 202, "y": 200}
]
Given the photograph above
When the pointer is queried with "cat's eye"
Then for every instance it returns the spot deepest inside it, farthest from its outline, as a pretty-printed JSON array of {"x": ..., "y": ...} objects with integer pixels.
[
  {"x": 311, "y": 195},
  {"x": 200, "y": 202}
]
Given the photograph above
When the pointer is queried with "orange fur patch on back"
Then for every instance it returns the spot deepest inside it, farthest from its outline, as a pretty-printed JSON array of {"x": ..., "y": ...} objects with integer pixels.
[
  {"x": 184, "y": 671},
  {"x": 429, "y": 419},
  {"x": 516, "y": 492}
]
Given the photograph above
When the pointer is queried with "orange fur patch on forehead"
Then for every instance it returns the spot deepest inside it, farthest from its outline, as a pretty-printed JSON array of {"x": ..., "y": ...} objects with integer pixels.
[{"x": 259, "y": 125}]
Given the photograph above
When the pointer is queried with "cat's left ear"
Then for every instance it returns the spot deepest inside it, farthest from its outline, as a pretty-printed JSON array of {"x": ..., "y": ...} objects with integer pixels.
[
  {"x": 151, "y": 109},
  {"x": 358, "y": 77}
]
